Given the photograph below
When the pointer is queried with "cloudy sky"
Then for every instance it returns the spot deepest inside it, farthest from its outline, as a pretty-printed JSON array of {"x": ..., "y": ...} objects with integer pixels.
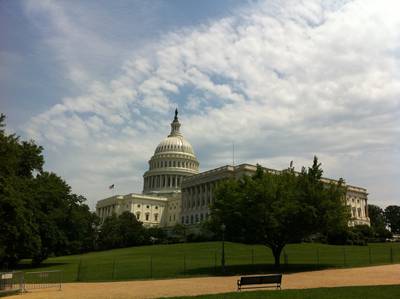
[{"x": 96, "y": 83}]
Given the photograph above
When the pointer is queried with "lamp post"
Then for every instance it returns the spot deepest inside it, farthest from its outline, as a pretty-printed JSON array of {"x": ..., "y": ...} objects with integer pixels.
[{"x": 223, "y": 227}]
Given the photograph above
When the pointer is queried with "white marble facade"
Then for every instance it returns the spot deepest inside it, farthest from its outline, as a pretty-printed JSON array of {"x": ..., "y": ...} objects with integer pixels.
[{"x": 175, "y": 192}]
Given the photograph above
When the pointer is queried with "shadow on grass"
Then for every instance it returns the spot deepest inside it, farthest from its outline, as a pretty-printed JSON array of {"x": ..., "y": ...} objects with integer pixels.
[
  {"x": 255, "y": 269},
  {"x": 28, "y": 266}
]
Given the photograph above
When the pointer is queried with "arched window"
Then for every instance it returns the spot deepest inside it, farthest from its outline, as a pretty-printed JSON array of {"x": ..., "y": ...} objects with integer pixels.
[
  {"x": 155, "y": 217},
  {"x": 138, "y": 215}
]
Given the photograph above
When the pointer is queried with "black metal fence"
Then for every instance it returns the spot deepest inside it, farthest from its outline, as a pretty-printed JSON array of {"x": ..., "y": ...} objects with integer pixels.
[
  {"x": 180, "y": 264},
  {"x": 17, "y": 282},
  {"x": 42, "y": 280},
  {"x": 11, "y": 282}
]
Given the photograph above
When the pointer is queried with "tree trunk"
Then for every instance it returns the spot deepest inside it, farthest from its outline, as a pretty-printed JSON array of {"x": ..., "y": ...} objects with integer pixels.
[{"x": 276, "y": 251}]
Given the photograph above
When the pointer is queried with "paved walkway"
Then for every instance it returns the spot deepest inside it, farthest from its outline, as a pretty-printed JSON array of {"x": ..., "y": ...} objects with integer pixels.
[{"x": 377, "y": 275}]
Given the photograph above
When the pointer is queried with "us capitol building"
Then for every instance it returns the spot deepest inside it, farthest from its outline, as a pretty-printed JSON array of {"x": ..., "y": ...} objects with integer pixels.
[{"x": 175, "y": 192}]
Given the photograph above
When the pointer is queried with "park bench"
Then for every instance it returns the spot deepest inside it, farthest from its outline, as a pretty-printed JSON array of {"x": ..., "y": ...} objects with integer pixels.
[{"x": 262, "y": 279}]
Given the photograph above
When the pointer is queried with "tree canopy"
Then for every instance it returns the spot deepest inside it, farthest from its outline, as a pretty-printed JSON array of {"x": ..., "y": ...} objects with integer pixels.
[
  {"x": 275, "y": 209},
  {"x": 39, "y": 215},
  {"x": 392, "y": 218}
]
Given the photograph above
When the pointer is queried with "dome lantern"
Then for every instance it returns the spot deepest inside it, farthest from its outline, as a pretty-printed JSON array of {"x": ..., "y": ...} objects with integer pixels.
[
  {"x": 173, "y": 160},
  {"x": 175, "y": 126}
]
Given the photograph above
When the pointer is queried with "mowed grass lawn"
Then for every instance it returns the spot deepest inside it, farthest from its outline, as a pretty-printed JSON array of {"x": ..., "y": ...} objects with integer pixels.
[
  {"x": 369, "y": 292},
  {"x": 195, "y": 259}
]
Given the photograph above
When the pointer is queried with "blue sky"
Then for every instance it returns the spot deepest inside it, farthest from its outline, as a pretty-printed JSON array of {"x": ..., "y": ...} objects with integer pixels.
[{"x": 96, "y": 83}]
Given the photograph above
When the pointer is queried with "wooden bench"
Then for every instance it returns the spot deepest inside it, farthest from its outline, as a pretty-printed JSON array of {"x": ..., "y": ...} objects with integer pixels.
[{"x": 263, "y": 279}]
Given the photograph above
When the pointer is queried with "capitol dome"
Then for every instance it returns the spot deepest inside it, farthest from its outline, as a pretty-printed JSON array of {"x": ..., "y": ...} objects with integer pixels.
[{"x": 173, "y": 160}]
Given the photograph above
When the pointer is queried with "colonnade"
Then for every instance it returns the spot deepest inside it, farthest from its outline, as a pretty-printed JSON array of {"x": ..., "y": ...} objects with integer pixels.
[
  {"x": 106, "y": 211},
  {"x": 199, "y": 196},
  {"x": 172, "y": 163},
  {"x": 163, "y": 181}
]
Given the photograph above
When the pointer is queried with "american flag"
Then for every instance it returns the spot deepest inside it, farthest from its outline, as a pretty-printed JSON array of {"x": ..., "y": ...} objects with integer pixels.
[{"x": 111, "y": 186}]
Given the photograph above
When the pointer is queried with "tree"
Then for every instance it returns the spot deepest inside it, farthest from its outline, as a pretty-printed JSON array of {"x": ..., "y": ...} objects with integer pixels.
[
  {"x": 378, "y": 223},
  {"x": 392, "y": 218},
  {"x": 376, "y": 216},
  {"x": 122, "y": 231},
  {"x": 39, "y": 215},
  {"x": 275, "y": 209}
]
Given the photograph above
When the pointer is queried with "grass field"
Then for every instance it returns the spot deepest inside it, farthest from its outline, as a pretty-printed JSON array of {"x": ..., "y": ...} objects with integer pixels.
[
  {"x": 195, "y": 259},
  {"x": 381, "y": 292}
]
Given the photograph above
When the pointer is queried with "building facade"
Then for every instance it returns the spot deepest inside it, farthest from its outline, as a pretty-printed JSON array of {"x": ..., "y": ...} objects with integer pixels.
[
  {"x": 175, "y": 192},
  {"x": 197, "y": 194}
]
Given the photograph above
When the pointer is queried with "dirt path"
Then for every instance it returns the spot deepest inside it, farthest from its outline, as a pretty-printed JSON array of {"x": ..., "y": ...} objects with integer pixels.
[{"x": 378, "y": 275}]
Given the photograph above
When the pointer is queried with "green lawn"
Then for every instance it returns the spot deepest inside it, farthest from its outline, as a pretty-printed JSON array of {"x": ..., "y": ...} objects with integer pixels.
[
  {"x": 194, "y": 259},
  {"x": 370, "y": 292}
]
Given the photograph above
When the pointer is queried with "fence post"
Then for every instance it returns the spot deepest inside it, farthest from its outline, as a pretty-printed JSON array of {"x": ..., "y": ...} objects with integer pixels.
[
  {"x": 215, "y": 262},
  {"x": 184, "y": 264},
  {"x": 78, "y": 276},
  {"x": 113, "y": 269},
  {"x": 60, "y": 279},
  {"x": 369, "y": 255},
  {"x": 344, "y": 256},
  {"x": 151, "y": 266},
  {"x": 391, "y": 255},
  {"x": 318, "y": 256},
  {"x": 252, "y": 256}
]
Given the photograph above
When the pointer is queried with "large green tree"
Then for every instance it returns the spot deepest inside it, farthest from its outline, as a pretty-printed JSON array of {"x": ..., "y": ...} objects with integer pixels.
[
  {"x": 275, "y": 209},
  {"x": 122, "y": 231},
  {"x": 378, "y": 223},
  {"x": 39, "y": 215},
  {"x": 392, "y": 217}
]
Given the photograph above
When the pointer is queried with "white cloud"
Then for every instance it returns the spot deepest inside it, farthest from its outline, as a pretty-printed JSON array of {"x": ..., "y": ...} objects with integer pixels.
[{"x": 283, "y": 80}]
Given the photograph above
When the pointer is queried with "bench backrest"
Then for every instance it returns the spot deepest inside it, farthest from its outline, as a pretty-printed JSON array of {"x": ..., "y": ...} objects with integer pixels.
[{"x": 273, "y": 278}]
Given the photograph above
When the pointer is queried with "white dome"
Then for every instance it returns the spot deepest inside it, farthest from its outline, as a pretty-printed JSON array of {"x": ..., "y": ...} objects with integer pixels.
[
  {"x": 173, "y": 160},
  {"x": 174, "y": 144}
]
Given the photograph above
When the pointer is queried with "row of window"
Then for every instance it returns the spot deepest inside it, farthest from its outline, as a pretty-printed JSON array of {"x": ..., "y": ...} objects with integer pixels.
[
  {"x": 148, "y": 207},
  {"x": 196, "y": 202},
  {"x": 192, "y": 219},
  {"x": 146, "y": 216},
  {"x": 174, "y": 147},
  {"x": 160, "y": 164},
  {"x": 199, "y": 189}
]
